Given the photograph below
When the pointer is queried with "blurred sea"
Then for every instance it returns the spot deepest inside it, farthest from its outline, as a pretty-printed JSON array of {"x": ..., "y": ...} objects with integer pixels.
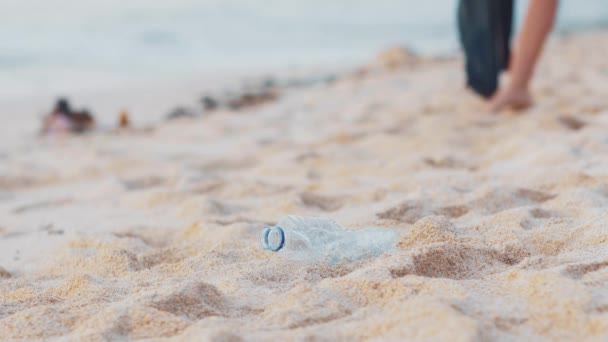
[{"x": 57, "y": 46}]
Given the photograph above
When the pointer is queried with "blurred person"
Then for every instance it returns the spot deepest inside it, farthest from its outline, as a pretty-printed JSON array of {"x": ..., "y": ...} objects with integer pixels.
[
  {"x": 63, "y": 119},
  {"x": 485, "y": 31}
]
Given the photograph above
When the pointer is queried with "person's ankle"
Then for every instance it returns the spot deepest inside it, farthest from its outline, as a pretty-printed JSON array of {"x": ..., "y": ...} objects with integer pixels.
[{"x": 517, "y": 88}]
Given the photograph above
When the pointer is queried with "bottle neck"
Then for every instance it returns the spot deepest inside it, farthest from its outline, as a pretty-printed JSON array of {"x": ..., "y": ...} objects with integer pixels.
[{"x": 273, "y": 238}]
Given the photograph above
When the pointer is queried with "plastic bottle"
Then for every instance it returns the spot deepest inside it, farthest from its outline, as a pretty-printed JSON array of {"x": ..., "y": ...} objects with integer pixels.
[{"x": 317, "y": 238}]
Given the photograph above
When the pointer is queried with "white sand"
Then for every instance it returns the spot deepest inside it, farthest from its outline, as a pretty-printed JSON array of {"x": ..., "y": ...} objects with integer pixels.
[{"x": 502, "y": 219}]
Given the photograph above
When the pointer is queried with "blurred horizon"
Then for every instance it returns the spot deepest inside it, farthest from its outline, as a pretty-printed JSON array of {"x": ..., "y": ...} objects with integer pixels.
[{"x": 60, "y": 46}]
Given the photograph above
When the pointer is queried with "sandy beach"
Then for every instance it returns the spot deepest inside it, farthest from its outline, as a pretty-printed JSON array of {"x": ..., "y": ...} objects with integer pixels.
[{"x": 502, "y": 220}]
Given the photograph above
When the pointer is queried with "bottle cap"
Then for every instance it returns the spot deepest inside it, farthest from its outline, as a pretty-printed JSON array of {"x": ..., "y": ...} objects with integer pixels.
[{"x": 273, "y": 238}]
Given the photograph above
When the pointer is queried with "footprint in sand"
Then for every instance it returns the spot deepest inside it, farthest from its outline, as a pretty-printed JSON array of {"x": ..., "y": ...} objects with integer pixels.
[
  {"x": 541, "y": 213},
  {"x": 412, "y": 211},
  {"x": 448, "y": 163},
  {"x": 579, "y": 270},
  {"x": 145, "y": 235},
  {"x": 223, "y": 208},
  {"x": 408, "y": 211},
  {"x": 452, "y": 211},
  {"x": 508, "y": 323},
  {"x": 306, "y": 156},
  {"x": 497, "y": 200},
  {"x": 201, "y": 185},
  {"x": 128, "y": 322},
  {"x": 308, "y": 307},
  {"x": 461, "y": 261},
  {"x": 572, "y": 123},
  {"x": 534, "y": 196},
  {"x": 325, "y": 203},
  {"x": 194, "y": 301},
  {"x": 142, "y": 183},
  {"x": 51, "y": 229},
  {"x": 225, "y": 165},
  {"x": 537, "y": 217}
]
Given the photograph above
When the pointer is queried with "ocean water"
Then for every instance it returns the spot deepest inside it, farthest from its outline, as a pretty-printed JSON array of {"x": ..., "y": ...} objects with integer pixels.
[{"x": 60, "y": 46}]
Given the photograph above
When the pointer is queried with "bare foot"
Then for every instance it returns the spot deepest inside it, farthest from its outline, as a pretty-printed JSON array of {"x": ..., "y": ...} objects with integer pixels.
[{"x": 510, "y": 98}]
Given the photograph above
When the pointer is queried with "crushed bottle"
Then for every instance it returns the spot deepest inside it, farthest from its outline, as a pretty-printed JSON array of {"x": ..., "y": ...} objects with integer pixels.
[{"x": 316, "y": 238}]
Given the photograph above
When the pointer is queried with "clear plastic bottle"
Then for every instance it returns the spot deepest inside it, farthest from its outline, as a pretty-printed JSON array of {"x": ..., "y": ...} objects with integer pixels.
[{"x": 317, "y": 238}]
